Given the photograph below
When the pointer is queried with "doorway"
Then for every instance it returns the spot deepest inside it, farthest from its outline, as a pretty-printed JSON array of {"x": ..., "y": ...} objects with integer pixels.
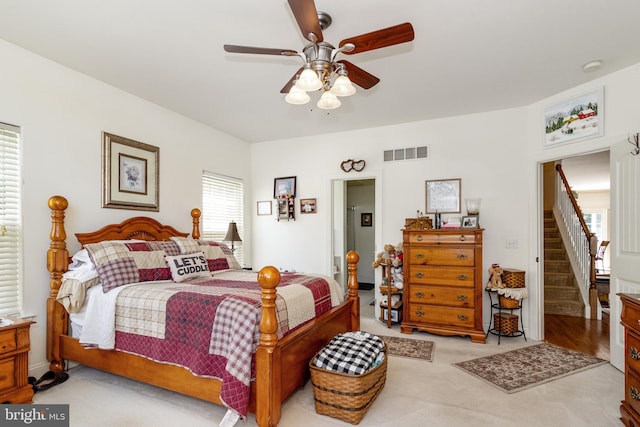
[
  {"x": 354, "y": 229},
  {"x": 589, "y": 178}
]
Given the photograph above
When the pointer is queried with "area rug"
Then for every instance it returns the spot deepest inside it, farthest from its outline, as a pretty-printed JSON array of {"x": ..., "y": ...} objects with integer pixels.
[
  {"x": 528, "y": 367},
  {"x": 406, "y": 347}
]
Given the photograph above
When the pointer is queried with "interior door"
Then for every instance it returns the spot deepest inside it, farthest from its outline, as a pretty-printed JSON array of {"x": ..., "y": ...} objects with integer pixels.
[{"x": 625, "y": 239}]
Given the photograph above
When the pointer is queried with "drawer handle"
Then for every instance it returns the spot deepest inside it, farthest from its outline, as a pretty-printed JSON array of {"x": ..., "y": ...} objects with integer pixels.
[
  {"x": 462, "y": 256},
  {"x": 419, "y": 313},
  {"x": 419, "y": 294},
  {"x": 4, "y": 347},
  {"x": 463, "y": 238},
  {"x": 462, "y": 277},
  {"x": 419, "y": 275},
  {"x": 420, "y": 255},
  {"x": 635, "y": 394},
  {"x": 419, "y": 238},
  {"x": 634, "y": 353},
  {"x": 462, "y": 297},
  {"x": 462, "y": 317}
]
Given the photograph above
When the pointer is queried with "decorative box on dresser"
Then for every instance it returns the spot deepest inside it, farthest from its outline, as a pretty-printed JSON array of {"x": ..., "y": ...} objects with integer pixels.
[
  {"x": 442, "y": 280},
  {"x": 630, "y": 318},
  {"x": 14, "y": 361}
]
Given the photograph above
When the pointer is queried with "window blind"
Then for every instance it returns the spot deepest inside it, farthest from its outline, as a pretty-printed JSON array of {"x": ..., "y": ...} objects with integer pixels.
[
  {"x": 222, "y": 202},
  {"x": 10, "y": 220}
]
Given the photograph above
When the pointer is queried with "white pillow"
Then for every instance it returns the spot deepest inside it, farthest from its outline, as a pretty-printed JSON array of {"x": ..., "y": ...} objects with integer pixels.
[{"x": 188, "y": 266}]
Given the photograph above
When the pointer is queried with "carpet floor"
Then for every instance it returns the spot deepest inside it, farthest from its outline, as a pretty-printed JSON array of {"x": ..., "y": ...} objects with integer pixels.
[{"x": 527, "y": 367}]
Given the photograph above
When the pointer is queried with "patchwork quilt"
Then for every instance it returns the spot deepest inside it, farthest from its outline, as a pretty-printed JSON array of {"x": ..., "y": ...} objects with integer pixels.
[{"x": 211, "y": 325}]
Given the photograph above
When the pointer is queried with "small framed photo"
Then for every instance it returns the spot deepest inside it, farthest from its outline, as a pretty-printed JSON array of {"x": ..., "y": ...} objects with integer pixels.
[
  {"x": 366, "y": 219},
  {"x": 443, "y": 196},
  {"x": 470, "y": 221},
  {"x": 130, "y": 174},
  {"x": 284, "y": 188},
  {"x": 264, "y": 207},
  {"x": 308, "y": 206}
]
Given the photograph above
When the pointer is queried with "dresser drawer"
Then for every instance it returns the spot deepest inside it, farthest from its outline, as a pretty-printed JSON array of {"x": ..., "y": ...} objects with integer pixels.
[
  {"x": 441, "y": 238},
  {"x": 633, "y": 351},
  {"x": 447, "y": 316},
  {"x": 7, "y": 341},
  {"x": 460, "y": 276},
  {"x": 445, "y": 296},
  {"x": 458, "y": 256},
  {"x": 631, "y": 317},
  {"x": 632, "y": 391},
  {"x": 7, "y": 373}
]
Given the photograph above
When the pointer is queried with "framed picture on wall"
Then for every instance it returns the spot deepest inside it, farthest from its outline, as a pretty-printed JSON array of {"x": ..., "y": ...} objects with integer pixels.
[
  {"x": 576, "y": 119},
  {"x": 308, "y": 206},
  {"x": 130, "y": 174},
  {"x": 284, "y": 187},
  {"x": 366, "y": 219},
  {"x": 443, "y": 196},
  {"x": 264, "y": 207}
]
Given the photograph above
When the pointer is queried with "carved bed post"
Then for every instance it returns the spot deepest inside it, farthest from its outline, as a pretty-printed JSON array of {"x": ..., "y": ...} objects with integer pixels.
[
  {"x": 268, "y": 368},
  {"x": 352, "y": 283},
  {"x": 57, "y": 262},
  {"x": 195, "y": 215}
]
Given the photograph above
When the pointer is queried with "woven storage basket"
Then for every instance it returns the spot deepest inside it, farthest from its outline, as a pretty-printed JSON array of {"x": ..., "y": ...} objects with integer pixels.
[
  {"x": 347, "y": 396},
  {"x": 505, "y": 323},
  {"x": 513, "y": 278},
  {"x": 506, "y": 302}
]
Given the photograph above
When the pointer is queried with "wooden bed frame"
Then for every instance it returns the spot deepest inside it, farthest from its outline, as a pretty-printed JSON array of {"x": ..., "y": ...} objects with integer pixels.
[{"x": 281, "y": 365}]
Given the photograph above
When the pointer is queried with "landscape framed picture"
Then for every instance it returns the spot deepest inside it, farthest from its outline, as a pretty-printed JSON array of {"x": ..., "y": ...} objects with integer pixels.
[
  {"x": 284, "y": 187},
  {"x": 576, "y": 119},
  {"x": 130, "y": 174}
]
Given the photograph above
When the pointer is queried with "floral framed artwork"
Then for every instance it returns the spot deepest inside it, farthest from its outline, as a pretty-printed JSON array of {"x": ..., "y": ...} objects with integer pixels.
[
  {"x": 130, "y": 174},
  {"x": 284, "y": 187},
  {"x": 264, "y": 207},
  {"x": 308, "y": 206},
  {"x": 443, "y": 196},
  {"x": 576, "y": 119}
]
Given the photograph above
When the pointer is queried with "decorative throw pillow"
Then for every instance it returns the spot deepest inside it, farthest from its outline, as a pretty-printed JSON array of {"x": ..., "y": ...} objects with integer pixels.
[
  {"x": 218, "y": 255},
  {"x": 185, "y": 267}
]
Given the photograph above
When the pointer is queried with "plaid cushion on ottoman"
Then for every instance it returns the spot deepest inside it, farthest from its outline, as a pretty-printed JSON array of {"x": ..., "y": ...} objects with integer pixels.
[{"x": 351, "y": 353}]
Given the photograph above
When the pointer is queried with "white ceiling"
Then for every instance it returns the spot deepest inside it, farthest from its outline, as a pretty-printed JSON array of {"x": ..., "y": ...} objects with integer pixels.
[{"x": 468, "y": 55}]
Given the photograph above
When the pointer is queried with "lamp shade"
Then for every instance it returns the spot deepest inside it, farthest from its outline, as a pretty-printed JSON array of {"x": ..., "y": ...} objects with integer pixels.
[
  {"x": 232, "y": 234},
  {"x": 343, "y": 87},
  {"x": 309, "y": 80},
  {"x": 297, "y": 96},
  {"x": 328, "y": 101}
]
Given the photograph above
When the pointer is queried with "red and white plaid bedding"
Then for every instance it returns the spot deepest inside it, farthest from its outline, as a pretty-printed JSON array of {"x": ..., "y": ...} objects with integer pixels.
[{"x": 211, "y": 325}]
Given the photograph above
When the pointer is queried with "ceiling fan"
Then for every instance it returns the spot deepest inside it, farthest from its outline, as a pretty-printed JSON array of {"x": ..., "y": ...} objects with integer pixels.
[{"x": 320, "y": 69}]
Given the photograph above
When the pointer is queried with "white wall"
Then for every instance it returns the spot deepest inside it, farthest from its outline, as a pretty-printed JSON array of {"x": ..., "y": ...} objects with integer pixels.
[{"x": 62, "y": 114}]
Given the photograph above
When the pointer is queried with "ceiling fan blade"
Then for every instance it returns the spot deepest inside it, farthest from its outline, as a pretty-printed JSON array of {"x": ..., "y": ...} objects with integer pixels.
[
  {"x": 291, "y": 82},
  {"x": 382, "y": 38},
  {"x": 259, "y": 50},
  {"x": 307, "y": 17},
  {"x": 359, "y": 76}
]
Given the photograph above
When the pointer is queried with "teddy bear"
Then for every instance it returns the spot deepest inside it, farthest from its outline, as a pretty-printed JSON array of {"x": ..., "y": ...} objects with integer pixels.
[
  {"x": 381, "y": 257},
  {"x": 495, "y": 277}
]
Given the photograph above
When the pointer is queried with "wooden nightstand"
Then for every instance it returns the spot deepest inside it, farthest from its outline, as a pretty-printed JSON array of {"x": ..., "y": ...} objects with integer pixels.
[{"x": 14, "y": 362}]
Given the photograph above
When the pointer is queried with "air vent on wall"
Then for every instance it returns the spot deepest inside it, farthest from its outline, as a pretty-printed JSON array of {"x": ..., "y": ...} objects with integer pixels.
[{"x": 410, "y": 153}]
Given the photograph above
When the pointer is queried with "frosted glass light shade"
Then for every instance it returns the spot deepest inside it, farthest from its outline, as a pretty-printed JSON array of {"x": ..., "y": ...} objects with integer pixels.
[
  {"x": 343, "y": 87},
  {"x": 297, "y": 96},
  {"x": 328, "y": 101},
  {"x": 308, "y": 80}
]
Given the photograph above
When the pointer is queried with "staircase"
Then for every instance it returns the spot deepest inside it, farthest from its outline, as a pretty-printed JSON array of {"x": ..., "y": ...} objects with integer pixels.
[{"x": 561, "y": 292}]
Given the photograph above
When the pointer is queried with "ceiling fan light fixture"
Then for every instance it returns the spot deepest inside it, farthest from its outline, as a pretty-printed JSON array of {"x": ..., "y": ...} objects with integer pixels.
[
  {"x": 343, "y": 87},
  {"x": 297, "y": 96},
  {"x": 308, "y": 80},
  {"x": 328, "y": 101}
]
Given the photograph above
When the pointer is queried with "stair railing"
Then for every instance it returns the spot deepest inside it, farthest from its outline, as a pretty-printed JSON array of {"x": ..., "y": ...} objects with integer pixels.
[{"x": 582, "y": 243}]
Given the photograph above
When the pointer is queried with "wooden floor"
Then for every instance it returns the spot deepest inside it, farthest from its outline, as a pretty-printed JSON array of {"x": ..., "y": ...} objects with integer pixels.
[{"x": 577, "y": 333}]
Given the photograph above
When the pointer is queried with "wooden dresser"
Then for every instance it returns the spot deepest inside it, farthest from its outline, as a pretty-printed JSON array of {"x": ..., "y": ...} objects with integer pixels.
[
  {"x": 443, "y": 281},
  {"x": 14, "y": 362},
  {"x": 630, "y": 407}
]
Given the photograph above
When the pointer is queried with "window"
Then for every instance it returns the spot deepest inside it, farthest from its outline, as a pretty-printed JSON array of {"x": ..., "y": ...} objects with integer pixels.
[
  {"x": 595, "y": 220},
  {"x": 10, "y": 220},
  {"x": 222, "y": 202}
]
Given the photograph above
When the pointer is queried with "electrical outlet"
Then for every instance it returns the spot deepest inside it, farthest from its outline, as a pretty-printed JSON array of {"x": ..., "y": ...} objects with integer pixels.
[{"x": 512, "y": 244}]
